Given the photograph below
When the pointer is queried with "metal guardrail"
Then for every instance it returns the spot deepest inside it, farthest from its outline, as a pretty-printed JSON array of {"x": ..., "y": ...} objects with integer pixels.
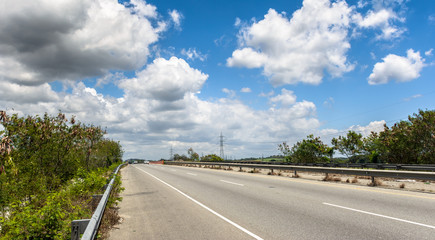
[
  {"x": 345, "y": 171},
  {"x": 411, "y": 167},
  {"x": 89, "y": 227}
]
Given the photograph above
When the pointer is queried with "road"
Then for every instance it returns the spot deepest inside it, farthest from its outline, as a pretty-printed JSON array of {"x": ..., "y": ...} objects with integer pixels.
[{"x": 171, "y": 202}]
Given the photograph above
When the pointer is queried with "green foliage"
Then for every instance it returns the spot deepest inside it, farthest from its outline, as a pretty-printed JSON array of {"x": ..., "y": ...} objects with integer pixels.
[
  {"x": 411, "y": 141},
  {"x": 310, "y": 150},
  {"x": 211, "y": 158},
  {"x": 49, "y": 168},
  {"x": 406, "y": 142},
  {"x": 192, "y": 155},
  {"x": 351, "y": 145},
  {"x": 178, "y": 157},
  {"x": 285, "y": 149}
]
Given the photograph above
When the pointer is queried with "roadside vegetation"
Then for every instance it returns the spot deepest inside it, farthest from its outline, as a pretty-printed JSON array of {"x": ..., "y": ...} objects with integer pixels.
[
  {"x": 49, "y": 169},
  {"x": 406, "y": 142}
]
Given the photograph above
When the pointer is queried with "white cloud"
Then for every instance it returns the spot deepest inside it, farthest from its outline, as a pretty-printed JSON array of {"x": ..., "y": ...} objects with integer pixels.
[
  {"x": 160, "y": 107},
  {"x": 312, "y": 41},
  {"x": 375, "y": 126},
  {"x": 165, "y": 80},
  {"x": 245, "y": 90},
  {"x": 382, "y": 19},
  {"x": 230, "y": 93},
  {"x": 412, "y": 97},
  {"x": 247, "y": 57},
  {"x": 394, "y": 67},
  {"x": 286, "y": 98},
  {"x": 428, "y": 52},
  {"x": 329, "y": 102},
  {"x": 72, "y": 40},
  {"x": 176, "y": 17},
  {"x": 27, "y": 94},
  {"x": 192, "y": 54},
  {"x": 271, "y": 93},
  {"x": 237, "y": 22}
]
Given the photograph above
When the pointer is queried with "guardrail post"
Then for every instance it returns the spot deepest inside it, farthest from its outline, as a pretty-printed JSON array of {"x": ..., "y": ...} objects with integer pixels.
[
  {"x": 373, "y": 180},
  {"x": 78, "y": 227}
]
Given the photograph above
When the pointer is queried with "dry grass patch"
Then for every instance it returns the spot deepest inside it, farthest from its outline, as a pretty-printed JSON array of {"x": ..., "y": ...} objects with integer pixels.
[{"x": 375, "y": 183}]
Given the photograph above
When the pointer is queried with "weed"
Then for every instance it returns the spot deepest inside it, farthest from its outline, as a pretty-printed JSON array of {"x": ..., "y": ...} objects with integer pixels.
[
  {"x": 331, "y": 178},
  {"x": 347, "y": 180},
  {"x": 354, "y": 180},
  {"x": 254, "y": 171},
  {"x": 402, "y": 185},
  {"x": 375, "y": 183}
]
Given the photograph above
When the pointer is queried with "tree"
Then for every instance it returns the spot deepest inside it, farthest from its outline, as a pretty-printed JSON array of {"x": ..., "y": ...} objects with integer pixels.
[
  {"x": 285, "y": 149},
  {"x": 192, "y": 155},
  {"x": 351, "y": 145},
  {"x": 310, "y": 150},
  {"x": 411, "y": 141},
  {"x": 374, "y": 148}
]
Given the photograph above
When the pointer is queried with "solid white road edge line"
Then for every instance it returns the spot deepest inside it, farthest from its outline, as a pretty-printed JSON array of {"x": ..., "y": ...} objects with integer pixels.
[
  {"x": 205, "y": 207},
  {"x": 193, "y": 174},
  {"x": 238, "y": 184},
  {"x": 380, "y": 215}
]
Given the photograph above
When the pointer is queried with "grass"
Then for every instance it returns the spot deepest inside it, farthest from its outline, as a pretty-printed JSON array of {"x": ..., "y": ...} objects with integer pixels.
[
  {"x": 375, "y": 183},
  {"x": 331, "y": 178}
]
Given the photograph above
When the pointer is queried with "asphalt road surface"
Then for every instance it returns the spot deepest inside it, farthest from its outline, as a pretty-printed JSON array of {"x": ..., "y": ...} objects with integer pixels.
[{"x": 172, "y": 202}]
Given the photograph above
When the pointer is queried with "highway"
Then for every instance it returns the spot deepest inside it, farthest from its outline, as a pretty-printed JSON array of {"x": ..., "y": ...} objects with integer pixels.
[{"x": 170, "y": 202}]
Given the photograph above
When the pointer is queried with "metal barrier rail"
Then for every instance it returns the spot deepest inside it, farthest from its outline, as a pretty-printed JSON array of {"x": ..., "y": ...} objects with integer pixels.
[
  {"x": 345, "y": 171},
  {"x": 411, "y": 167},
  {"x": 89, "y": 227}
]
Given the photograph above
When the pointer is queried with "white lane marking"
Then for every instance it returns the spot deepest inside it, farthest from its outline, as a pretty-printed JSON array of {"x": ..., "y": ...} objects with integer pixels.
[
  {"x": 207, "y": 208},
  {"x": 380, "y": 215},
  {"x": 193, "y": 174},
  {"x": 238, "y": 184}
]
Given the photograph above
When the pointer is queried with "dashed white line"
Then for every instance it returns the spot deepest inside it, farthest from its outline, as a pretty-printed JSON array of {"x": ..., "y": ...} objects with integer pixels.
[
  {"x": 380, "y": 215},
  {"x": 193, "y": 174},
  {"x": 205, "y": 207},
  {"x": 238, "y": 184}
]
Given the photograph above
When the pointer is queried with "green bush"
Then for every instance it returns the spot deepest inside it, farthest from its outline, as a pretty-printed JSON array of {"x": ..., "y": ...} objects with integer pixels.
[{"x": 49, "y": 216}]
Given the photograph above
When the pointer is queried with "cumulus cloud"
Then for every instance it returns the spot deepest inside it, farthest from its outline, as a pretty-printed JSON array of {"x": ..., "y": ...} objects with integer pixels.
[
  {"x": 27, "y": 94},
  {"x": 375, "y": 126},
  {"x": 165, "y": 80},
  {"x": 398, "y": 68},
  {"x": 160, "y": 108},
  {"x": 313, "y": 40},
  {"x": 286, "y": 98},
  {"x": 382, "y": 19},
  {"x": 72, "y": 40}
]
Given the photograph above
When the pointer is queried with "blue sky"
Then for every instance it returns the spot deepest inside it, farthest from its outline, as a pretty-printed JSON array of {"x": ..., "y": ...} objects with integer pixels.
[{"x": 162, "y": 74}]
